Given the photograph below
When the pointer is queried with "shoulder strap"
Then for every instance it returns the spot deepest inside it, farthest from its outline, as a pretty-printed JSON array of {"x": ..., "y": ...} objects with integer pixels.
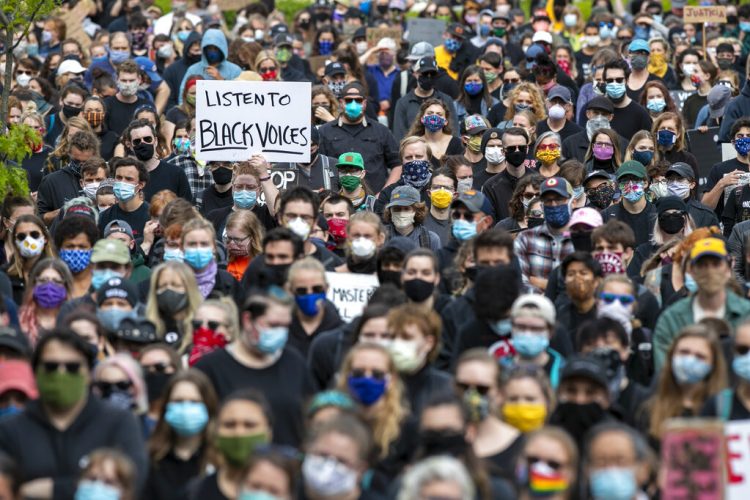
[
  {"x": 724, "y": 404},
  {"x": 404, "y": 82},
  {"x": 424, "y": 237}
]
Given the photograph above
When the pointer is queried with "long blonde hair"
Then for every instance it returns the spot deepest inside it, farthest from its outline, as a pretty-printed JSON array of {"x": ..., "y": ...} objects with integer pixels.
[
  {"x": 667, "y": 402},
  {"x": 537, "y": 101},
  {"x": 391, "y": 410},
  {"x": 61, "y": 151},
  {"x": 15, "y": 265}
]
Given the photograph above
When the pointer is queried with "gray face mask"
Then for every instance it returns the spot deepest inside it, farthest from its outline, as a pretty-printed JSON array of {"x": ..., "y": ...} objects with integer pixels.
[{"x": 595, "y": 124}]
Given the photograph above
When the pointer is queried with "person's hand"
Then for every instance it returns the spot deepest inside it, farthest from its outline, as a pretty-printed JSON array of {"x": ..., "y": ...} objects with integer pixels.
[
  {"x": 260, "y": 165},
  {"x": 213, "y": 73},
  {"x": 323, "y": 114},
  {"x": 646, "y": 20},
  {"x": 731, "y": 179},
  {"x": 703, "y": 129},
  {"x": 149, "y": 231},
  {"x": 385, "y": 105}
]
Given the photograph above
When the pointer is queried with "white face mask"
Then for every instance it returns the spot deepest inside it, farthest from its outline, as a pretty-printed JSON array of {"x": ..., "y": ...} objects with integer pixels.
[
  {"x": 23, "y": 79},
  {"x": 363, "y": 247},
  {"x": 361, "y": 47},
  {"x": 402, "y": 219},
  {"x": 30, "y": 247},
  {"x": 327, "y": 477},
  {"x": 688, "y": 69},
  {"x": 299, "y": 227},
  {"x": 494, "y": 154},
  {"x": 465, "y": 184},
  {"x": 90, "y": 189},
  {"x": 406, "y": 355}
]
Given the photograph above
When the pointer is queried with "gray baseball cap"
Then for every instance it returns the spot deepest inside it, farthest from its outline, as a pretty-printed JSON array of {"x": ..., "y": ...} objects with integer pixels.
[
  {"x": 420, "y": 50},
  {"x": 404, "y": 196}
]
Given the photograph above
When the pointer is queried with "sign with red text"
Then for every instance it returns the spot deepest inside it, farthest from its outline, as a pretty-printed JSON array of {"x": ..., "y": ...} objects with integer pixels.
[
  {"x": 237, "y": 119},
  {"x": 705, "y": 14},
  {"x": 737, "y": 435}
]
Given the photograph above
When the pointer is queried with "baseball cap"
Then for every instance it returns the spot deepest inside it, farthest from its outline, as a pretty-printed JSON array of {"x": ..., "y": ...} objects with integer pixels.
[
  {"x": 118, "y": 226},
  {"x": 397, "y": 4},
  {"x": 639, "y": 44},
  {"x": 543, "y": 37},
  {"x": 351, "y": 160},
  {"x": 585, "y": 367},
  {"x": 402, "y": 243},
  {"x": 70, "y": 66},
  {"x": 682, "y": 169},
  {"x": 138, "y": 330},
  {"x": 598, "y": 174},
  {"x": 670, "y": 203},
  {"x": 474, "y": 201},
  {"x": 110, "y": 250},
  {"x": 334, "y": 68},
  {"x": 353, "y": 86},
  {"x": 80, "y": 209},
  {"x": 15, "y": 340},
  {"x": 708, "y": 247},
  {"x": 533, "y": 51},
  {"x": 601, "y": 103},
  {"x": 420, "y": 50},
  {"x": 556, "y": 185},
  {"x": 631, "y": 167},
  {"x": 360, "y": 33},
  {"x": 119, "y": 288},
  {"x": 457, "y": 29},
  {"x": 534, "y": 305},
  {"x": 426, "y": 64},
  {"x": 386, "y": 44},
  {"x": 586, "y": 216},
  {"x": 475, "y": 124},
  {"x": 718, "y": 97},
  {"x": 279, "y": 28},
  {"x": 149, "y": 67},
  {"x": 283, "y": 39},
  {"x": 17, "y": 375},
  {"x": 559, "y": 92},
  {"x": 404, "y": 196}
]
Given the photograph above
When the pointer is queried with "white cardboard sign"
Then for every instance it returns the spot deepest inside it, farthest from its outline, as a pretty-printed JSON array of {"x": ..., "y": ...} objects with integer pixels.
[{"x": 350, "y": 292}]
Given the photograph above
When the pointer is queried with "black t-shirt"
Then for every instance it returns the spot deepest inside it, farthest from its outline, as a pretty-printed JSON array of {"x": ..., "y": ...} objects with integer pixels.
[
  {"x": 212, "y": 200},
  {"x": 692, "y": 106},
  {"x": 477, "y": 169},
  {"x": 208, "y": 489},
  {"x": 642, "y": 223},
  {"x": 301, "y": 340},
  {"x": 167, "y": 176},
  {"x": 286, "y": 384},
  {"x": 120, "y": 114},
  {"x": 219, "y": 216},
  {"x": 34, "y": 166},
  {"x": 631, "y": 119},
  {"x": 168, "y": 478},
  {"x": 137, "y": 218},
  {"x": 107, "y": 142},
  {"x": 717, "y": 172},
  {"x": 499, "y": 190},
  {"x": 481, "y": 177},
  {"x": 176, "y": 115},
  {"x": 712, "y": 407},
  {"x": 569, "y": 129}
]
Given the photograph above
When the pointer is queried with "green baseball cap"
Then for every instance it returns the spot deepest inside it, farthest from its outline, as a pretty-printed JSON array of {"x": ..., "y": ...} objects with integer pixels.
[
  {"x": 351, "y": 160},
  {"x": 632, "y": 167}
]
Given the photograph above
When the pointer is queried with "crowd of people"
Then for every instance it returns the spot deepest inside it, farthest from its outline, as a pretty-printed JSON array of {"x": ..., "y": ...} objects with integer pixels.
[{"x": 558, "y": 274}]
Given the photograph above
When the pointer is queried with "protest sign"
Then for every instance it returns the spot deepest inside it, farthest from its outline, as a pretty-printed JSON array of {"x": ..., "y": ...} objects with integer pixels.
[
  {"x": 232, "y": 4},
  {"x": 707, "y": 14},
  {"x": 737, "y": 434},
  {"x": 374, "y": 35},
  {"x": 704, "y": 146},
  {"x": 425, "y": 30},
  {"x": 692, "y": 459},
  {"x": 350, "y": 292},
  {"x": 73, "y": 20},
  {"x": 236, "y": 119}
]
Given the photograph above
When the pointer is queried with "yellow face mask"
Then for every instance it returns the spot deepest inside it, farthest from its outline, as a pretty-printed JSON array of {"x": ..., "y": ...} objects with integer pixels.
[
  {"x": 475, "y": 144},
  {"x": 525, "y": 417},
  {"x": 441, "y": 198},
  {"x": 548, "y": 156},
  {"x": 657, "y": 64}
]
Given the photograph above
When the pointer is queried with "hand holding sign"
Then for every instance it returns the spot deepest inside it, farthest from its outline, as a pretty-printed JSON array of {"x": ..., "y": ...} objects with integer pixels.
[{"x": 260, "y": 165}]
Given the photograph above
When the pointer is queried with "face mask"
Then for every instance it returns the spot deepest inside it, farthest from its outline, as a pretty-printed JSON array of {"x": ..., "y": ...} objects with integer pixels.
[
  {"x": 490, "y": 76},
  {"x": 187, "y": 418},
  {"x": 96, "y": 490},
  {"x": 478, "y": 406},
  {"x": 272, "y": 340},
  {"x": 171, "y": 302},
  {"x": 309, "y": 303},
  {"x": 465, "y": 184},
  {"x": 363, "y": 248},
  {"x": 112, "y": 317},
  {"x": 23, "y": 79},
  {"x": 656, "y": 105},
  {"x": 741, "y": 366},
  {"x": 30, "y": 247},
  {"x": 406, "y": 355},
  {"x": 688, "y": 69},
  {"x": 577, "y": 419},
  {"x": 94, "y": 118},
  {"x": 213, "y": 56},
  {"x": 32, "y": 50},
  {"x": 643, "y": 157},
  {"x": 666, "y": 138},
  {"x": 678, "y": 188},
  {"x": 494, "y": 155},
  {"x": 742, "y": 146},
  {"x": 174, "y": 254},
  {"x": 361, "y": 46},
  {"x": 475, "y": 144},
  {"x": 100, "y": 276},
  {"x": 350, "y": 182},
  {"x": 119, "y": 398},
  {"x": 416, "y": 173},
  {"x": 237, "y": 450},
  {"x": 124, "y": 191},
  {"x": 556, "y": 112},
  {"x": 325, "y": 47},
  {"x": 403, "y": 220},
  {"x": 155, "y": 384},
  {"x": 119, "y": 56},
  {"x": 283, "y": 55},
  {"x": 433, "y": 123},
  {"x": 418, "y": 290},
  {"x": 591, "y": 41},
  {"x": 613, "y": 483},
  {"x": 442, "y": 442},
  {"x": 463, "y": 230},
  {"x": 529, "y": 345},
  {"x": 326, "y": 477},
  {"x": 269, "y": 76},
  {"x": 256, "y": 495},
  {"x": 601, "y": 196},
  {"x": 222, "y": 176},
  {"x": 165, "y": 51},
  {"x": 687, "y": 369},
  {"x": 452, "y": 45},
  {"x": 353, "y": 110},
  {"x": 299, "y": 227},
  {"x": 632, "y": 191},
  {"x": 337, "y": 87},
  {"x": 61, "y": 391},
  {"x": 10, "y": 410},
  {"x": 199, "y": 258},
  {"x": 604, "y": 152},
  {"x": 570, "y": 20},
  {"x": 385, "y": 60},
  {"x": 516, "y": 158},
  {"x": 367, "y": 390},
  {"x": 725, "y": 64},
  {"x": 502, "y": 327},
  {"x": 441, "y": 198},
  {"x": 595, "y": 124},
  {"x": 525, "y": 417},
  {"x": 548, "y": 156},
  {"x": 128, "y": 89},
  {"x": 143, "y": 151},
  {"x": 49, "y": 295},
  {"x": 76, "y": 260},
  {"x": 638, "y": 62},
  {"x": 245, "y": 199},
  {"x": 182, "y": 146},
  {"x": 70, "y": 111},
  {"x": 557, "y": 216},
  {"x": 521, "y": 107},
  {"x": 616, "y": 91},
  {"x": 473, "y": 88}
]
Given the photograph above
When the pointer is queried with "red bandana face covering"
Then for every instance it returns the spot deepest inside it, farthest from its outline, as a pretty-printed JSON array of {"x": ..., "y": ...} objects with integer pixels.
[{"x": 204, "y": 342}]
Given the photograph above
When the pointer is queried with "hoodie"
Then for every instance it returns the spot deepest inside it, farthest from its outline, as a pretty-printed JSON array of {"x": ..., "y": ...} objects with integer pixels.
[
  {"x": 175, "y": 71},
  {"x": 228, "y": 70},
  {"x": 737, "y": 108}
]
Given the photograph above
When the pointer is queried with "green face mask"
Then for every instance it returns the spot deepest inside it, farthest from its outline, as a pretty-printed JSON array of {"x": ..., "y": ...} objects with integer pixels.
[
  {"x": 499, "y": 32},
  {"x": 237, "y": 450},
  {"x": 350, "y": 182},
  {"x": 60, "y": 390},
  {"x": 283, "y": 55},
  {"x": 443, "y": 18},
  {"x": 490, "y": 76},
  {"x": 190, "y": 99}
]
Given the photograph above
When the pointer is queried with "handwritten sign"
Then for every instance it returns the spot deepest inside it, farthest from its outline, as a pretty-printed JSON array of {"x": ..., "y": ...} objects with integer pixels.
[
  {"x": 374, "y": 35},
  {"x": 693, "y": 460},
  {"x": 737, "y": 434},
  {"x": 236, "y": 119},
  {"x": 232, "y": 4},
  {"x": 73, "y": 20},
  {"x": 712, "y": 14},
  {"x": 425, "y": 30},
  {"x": 350, "y": 292}
]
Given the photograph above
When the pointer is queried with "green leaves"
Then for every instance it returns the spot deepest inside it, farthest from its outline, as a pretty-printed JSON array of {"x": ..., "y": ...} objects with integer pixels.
[{"x": 15, "y": 145}]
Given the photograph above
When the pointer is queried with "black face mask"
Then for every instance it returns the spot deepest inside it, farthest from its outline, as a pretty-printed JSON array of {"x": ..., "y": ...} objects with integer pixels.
[
  {"x": 155, "y": 384},
  {"x": 582, "y": 241},
  {"x": 577, "y": 419},
  {"x": 274, "y": 275},
  {"x": 367, "y": 266},
  {"x": 425, "y": 83},
  {"x": 382, "y": 9},
  {"x": 443, "y": 442},
  {"x": 171, "y": 302},
  {"x": 70, "y": 111},
  {"x": 222, "y": 175},
  {"x": 143, "y": 151},
  {"x": 532, "y": 222},
  {"x": 192, "y": 59},
  {"x": 418, "y": 290},
  {"x": 671, "y": 223},
  {"x": 393, "y": 277},
  {"x": 515, "y": 158}
]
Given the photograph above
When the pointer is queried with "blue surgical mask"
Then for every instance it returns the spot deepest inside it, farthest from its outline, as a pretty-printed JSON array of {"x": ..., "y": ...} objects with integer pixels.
[
  {"x": 259, "y": 494},
  {"x": 367, "y": 390},
  {"x": 187, "y": 418},
  {"x": 688, "y": 369},
  {"x": 464, "y": 230},
  {"x": 173, "y": 254},
  {"x": 112, "y": 317},
  {"x": 502, "y": 327},
  {"x": 272, "y": 340},
  {"x": 199, "y": 258},
  {"x": 119, "y": 56},
  {"x": 308, "y": 303},
  {"x": 353, "y": 110},
  {"x": 613, "y": 483},
  {"x": 100, "y": 276},
  {"x": 741, "y": 366},
  {"x": 183, "y": 36},
  {"x": 656, "y": 105},
  {"x": 245, "y": 199},
  {"x": 124, "y": 191},
  {"x": 557, "y": 216},
  {"x": 96, "y": 490},
  {"x": 616, "y": 90},
  {"x": 690, "y": 283},
  {"x": 529, "y": 345}
]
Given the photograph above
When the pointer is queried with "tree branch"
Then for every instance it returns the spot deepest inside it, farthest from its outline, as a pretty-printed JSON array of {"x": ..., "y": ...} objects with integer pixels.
[{"x": 31, "y": 20}]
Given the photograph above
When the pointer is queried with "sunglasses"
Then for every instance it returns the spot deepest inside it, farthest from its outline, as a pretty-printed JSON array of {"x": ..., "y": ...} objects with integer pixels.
[
  {"x": 109, "y": 387},
  {"x": 54, "y": 366},
  {"x": 513, "y": 149},
  {"x": 467, "y": 216},
  {"x": 376, "y": 374},
  {"x": 157, "y": 367},
  {"x": 529, "y": 196},
  {"x": 615, "y": 80},
  {"x": 267, "y": 69},
  {"x": 147, "y": 140},
  {"x": 609, "y": 25},
  {"x": 33, "y": 234},
  {"x": 481, "y": 389},
  {"x": 22, "y": 72},
  {"x": 348, "y": 100},
  {"x": 609, "y": 298},
  {"x": 553, "y": 464},
  {"x": 312, "y": 289},
  {"x": 212, "y": 325}
]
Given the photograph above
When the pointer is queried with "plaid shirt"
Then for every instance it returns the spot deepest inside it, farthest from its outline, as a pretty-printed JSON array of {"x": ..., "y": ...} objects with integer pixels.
[
  {"x": 199, "y": 178},
  {"x": 539, "y": 251}
]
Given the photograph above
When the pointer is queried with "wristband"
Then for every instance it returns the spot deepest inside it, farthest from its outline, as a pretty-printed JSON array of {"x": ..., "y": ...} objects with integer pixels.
[{"x": 264, "y": 179}]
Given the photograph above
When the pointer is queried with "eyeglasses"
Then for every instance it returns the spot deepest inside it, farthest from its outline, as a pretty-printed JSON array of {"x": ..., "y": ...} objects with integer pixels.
[
  {"x": 741, "y": 349},
  {"x": 376, "y": 374},
  {"x": 458, "y": 215},
  {"x": 615, "y": 80},
  {"x": 212, "y": 325},
  {"x": 237, "y": 241},
  {"x": 33, "y": 234},
  {"x": 312, "y": 289},
  {"x": 54, "y": 366},
  {"x": 603, "y": 144},
  {"x": 109, "y": 387},
  {"x": 553, "y": 464},
  {"x": 147, "y": 140},
  {"x": 513, "y": 149},
  {"x": 481, "y": 389},
  {"x": 157, "y": 367},
  {"x": 50, "y": 280},
  {"x": 547, "y": 147},
  {"x": 609, "y": 298}
]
